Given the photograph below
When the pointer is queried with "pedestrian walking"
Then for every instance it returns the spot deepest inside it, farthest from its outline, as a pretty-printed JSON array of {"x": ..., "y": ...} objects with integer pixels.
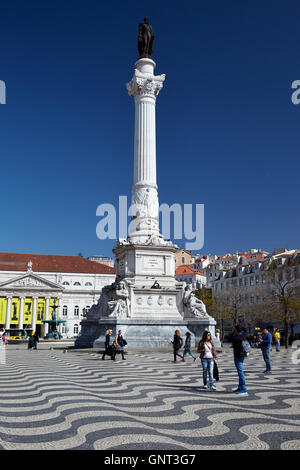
[
  {"x": 277, "y": 339},
  {"x": 32, "y": 342},
  {"x": 266, "y": 346},
  {"x": 36, "y": 339},
  {"x": 177, "y": 344},
  {"x": 208, "y": 357},
  {"x": 237, "y": 337},
  {"x": 2, "y": 336},
  {"x": 109, "y": 349},
  {"x": 187, "y": 347},
  {"x": 121, "y": 343}
]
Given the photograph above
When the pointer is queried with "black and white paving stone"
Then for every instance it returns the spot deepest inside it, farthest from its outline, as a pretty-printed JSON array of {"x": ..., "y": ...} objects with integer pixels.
[{"x": 55, "y": 401}]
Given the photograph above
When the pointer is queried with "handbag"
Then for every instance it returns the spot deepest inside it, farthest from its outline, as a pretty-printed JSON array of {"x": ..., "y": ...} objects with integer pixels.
[{"x": 216, "y": 372}]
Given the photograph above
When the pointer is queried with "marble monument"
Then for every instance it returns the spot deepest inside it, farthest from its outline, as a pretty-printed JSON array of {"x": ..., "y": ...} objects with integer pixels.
[{"x": 145, "y": 301}]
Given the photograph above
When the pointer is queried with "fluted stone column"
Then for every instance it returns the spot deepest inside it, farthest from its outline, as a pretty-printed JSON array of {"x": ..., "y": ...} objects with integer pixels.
[
  {"x": 8, "y": 312},
  {"x": 144, "y": 87},
  {"x": 21, "y": 315},
  {"x": 47, "y": 315},
  {"x": 34, "y": 313}
]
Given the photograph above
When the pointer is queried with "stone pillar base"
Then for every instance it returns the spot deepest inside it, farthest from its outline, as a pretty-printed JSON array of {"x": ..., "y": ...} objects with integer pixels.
[{"x": 146, "y": 334}]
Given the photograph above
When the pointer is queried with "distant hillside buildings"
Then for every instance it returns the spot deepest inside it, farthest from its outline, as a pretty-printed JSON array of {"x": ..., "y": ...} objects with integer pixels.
[{"x": 243, "y": 271}]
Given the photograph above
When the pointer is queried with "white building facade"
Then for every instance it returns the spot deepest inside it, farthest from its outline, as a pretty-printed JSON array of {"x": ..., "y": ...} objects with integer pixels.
[{"x": 32, "y": 286}]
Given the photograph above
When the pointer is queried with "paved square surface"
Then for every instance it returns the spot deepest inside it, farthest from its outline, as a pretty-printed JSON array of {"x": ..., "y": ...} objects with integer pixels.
[{"x": 51, "y": 400}]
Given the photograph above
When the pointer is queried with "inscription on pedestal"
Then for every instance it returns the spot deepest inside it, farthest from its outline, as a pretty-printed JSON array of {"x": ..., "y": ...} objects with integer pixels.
[{"x": 153, "y": 264}]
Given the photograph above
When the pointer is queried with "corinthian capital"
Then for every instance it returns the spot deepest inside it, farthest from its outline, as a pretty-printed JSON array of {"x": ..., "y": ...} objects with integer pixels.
[{"x": 145, "y": 84}]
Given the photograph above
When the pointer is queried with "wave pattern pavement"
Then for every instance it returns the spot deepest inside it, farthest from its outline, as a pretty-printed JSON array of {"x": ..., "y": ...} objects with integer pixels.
[{"x": 50, "y": 400}]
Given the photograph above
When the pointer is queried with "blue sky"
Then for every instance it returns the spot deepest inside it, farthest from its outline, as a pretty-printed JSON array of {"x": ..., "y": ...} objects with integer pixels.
[{"x": 227, "y": 131}]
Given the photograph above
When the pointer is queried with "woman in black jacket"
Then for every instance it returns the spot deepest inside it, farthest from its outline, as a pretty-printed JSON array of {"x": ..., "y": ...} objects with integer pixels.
[
  {"x": 109, "y": 348},
  {"x": 177, "y": 344},
  {"x": 121, "y": 344}
]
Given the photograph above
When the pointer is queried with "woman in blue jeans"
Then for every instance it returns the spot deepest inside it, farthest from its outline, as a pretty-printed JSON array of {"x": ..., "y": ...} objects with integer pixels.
[
  {"x": 237, "y": 336},
  {"x": 208, "y": 355}
]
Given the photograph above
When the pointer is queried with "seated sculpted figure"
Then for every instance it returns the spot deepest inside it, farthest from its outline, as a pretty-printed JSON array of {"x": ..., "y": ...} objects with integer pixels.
[
  {"x": 119, "y": 306},
  {"x": 194, "y": 305}
]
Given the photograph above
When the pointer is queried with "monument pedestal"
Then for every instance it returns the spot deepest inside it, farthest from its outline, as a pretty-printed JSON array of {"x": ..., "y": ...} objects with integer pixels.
[
  {"x": 144, "y": 333},
  {"x": 151, "y": 334}
]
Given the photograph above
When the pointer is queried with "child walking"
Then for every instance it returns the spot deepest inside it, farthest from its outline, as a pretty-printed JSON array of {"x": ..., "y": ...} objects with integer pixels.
[{"x": 187, "y": 347}]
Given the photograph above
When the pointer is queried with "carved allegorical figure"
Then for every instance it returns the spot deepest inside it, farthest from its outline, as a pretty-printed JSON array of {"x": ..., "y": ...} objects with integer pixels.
[
  {"x": 119, "y": 307},
  {"x": 144, "y": 202},
  {"x": 194, "y": 306},
  {"x": 113, "y": 302}
]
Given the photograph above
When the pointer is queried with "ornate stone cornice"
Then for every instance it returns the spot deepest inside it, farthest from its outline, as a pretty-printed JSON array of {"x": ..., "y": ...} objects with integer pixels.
[{"x": 145, "y": 84}]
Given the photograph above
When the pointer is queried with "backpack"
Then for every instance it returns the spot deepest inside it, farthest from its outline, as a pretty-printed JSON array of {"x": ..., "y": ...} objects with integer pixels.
[{"x": 246, "y": 348}]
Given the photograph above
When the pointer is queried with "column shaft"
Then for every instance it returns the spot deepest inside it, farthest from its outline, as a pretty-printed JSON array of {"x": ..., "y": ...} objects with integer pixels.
[
  {"x": 21, "y": 315},
  {"x": 33, "y": 324},
  {"x": 8, "y": 311},
  {"x": 144, "y": 142}
]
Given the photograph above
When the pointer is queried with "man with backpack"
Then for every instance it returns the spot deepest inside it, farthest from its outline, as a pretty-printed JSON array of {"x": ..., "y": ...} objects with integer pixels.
[{"x": 240, "y": 351}]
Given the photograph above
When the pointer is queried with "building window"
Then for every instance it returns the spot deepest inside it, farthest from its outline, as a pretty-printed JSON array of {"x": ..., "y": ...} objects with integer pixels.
[
  {"x": 65, "y": 310},
  {"x": 183, "y": 260},
  {"x": 76, "y": 329},
  {"x": 65, "y": 283},
  {"x": 77, "y": 283},
  {"x": 88, "y": 284},
  {"x": 251, "y": 281},
  {"x": 240, "y": 282},
  {"x": 76, "y": 311},
  {"x": 63, "y": 330},
  {"x": 85, "y": 310}
]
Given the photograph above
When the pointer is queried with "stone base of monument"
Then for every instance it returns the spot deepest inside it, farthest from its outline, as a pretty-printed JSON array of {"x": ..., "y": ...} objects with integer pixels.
[{"x": 146, "y": 334}]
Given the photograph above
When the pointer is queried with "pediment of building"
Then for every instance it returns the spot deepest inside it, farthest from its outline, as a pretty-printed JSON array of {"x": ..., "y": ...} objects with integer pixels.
[{"x": 32, "y": 281}]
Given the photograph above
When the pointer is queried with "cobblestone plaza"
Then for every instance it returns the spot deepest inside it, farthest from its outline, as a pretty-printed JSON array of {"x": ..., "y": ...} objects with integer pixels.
[{"x": 56, "y": 401}]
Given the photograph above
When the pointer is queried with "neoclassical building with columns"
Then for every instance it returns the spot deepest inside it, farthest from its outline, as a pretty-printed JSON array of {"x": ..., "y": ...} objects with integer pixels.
[{"x": 31, "y": 285}]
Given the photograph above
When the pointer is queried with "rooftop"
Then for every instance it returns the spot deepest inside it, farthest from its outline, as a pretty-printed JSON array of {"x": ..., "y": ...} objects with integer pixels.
[{"x": 52, "y": 264}]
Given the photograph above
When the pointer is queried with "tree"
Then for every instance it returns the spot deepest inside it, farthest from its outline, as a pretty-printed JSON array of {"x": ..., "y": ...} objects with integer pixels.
[
  {"x": 205, "y": 294},
  {"x": 284, "y": 295}
]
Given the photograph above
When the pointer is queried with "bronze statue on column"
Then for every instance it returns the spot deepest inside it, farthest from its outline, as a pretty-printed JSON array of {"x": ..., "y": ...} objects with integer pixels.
[{"x": 145, "y": 39}]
